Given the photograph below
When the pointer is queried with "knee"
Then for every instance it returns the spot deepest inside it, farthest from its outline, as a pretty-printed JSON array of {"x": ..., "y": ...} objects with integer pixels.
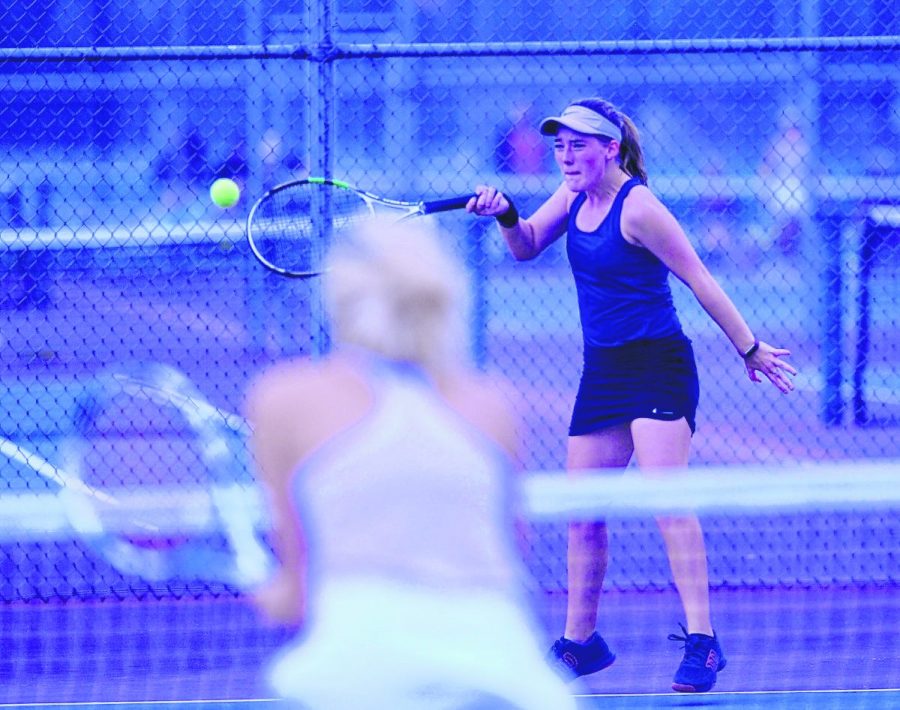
[{"x": 588, "y": 530}]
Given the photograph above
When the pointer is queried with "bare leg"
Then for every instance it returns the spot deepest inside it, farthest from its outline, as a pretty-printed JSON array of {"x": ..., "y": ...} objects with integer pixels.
[
  {"x": 687, "y": 557},
  {"x": 586, "y": 559},
  {"x": 587, "y": 553},
  {"x": 660, "y": 445}
]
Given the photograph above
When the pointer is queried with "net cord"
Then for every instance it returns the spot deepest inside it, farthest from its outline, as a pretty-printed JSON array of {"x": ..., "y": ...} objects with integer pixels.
[{"x": 847, "y": 485}]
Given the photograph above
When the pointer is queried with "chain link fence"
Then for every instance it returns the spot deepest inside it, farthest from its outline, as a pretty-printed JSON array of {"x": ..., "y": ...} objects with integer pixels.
[{"x": 778, "y": 151}]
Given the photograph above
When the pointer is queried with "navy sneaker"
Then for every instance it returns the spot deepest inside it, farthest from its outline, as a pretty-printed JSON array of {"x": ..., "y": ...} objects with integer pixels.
[
  {"x": 702, "y": 660},
  {"x": 572, "y": 659}
]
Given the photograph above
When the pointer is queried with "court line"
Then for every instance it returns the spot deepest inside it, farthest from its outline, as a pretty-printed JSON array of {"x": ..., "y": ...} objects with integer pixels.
[
  {"x": 139, "y": 703},
  {"x": 727, "y": 693},
  {"x": 722, "y": 695}
]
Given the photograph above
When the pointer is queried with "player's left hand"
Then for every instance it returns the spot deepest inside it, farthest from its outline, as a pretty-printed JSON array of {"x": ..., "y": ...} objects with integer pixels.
[{"x": 768, "y": 361}]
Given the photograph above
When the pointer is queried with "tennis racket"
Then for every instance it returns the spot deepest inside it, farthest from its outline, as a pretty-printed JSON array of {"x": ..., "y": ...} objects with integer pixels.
[
  {"x": 292, "y": 226},
  {"x": 157, "y": 481}
]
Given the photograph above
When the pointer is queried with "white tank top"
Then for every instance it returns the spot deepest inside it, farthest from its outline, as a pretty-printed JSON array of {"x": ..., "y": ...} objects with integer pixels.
[{"x": 412, "y": 493}]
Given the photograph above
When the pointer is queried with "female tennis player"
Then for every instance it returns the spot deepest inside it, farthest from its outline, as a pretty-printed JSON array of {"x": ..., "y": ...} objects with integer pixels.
[
  {"x": 388, "y": 468},
  {"x": 639, "y": 388}
]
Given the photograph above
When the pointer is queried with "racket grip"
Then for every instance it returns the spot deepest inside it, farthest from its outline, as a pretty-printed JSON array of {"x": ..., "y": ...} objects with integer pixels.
[{"x": 451, "y": 203}]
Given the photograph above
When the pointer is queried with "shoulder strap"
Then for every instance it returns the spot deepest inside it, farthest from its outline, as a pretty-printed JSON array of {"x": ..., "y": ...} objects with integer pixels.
[
  {"x": 573, "y": 210},
  {"x": 627, "y": 187}
]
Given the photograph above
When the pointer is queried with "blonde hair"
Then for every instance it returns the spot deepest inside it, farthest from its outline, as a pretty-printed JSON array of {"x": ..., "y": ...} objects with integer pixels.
[{"x": 395, "y": 289}]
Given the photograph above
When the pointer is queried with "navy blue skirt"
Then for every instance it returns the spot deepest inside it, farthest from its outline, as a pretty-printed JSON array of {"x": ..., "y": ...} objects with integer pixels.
[{"x": 653, "y": 379}]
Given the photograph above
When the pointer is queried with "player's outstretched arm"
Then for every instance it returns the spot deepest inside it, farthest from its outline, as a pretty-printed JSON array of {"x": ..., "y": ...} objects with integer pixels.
[
  {"x": 648, "y": 223},
  {"x": 526, "y": 238}
]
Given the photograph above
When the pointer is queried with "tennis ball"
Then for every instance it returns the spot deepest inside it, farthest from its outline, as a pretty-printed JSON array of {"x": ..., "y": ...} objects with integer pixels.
[{"x": 224, "y": 192}]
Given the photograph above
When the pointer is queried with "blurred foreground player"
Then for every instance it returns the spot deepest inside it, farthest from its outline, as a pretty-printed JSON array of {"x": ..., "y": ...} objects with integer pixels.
[{"x": 388, "y": 466}]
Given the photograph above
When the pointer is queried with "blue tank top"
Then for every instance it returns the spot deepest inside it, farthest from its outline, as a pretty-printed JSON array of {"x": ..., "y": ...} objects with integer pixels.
[{"x": 623, "y": 290}]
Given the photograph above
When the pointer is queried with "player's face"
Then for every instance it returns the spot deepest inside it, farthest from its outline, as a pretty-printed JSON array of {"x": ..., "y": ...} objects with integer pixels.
[{"x": 582, "y": 159}]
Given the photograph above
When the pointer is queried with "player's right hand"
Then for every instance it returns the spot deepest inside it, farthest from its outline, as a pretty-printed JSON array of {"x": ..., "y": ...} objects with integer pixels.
[
  {"x": 282, "y": 600},
  {"x": 487, "y": 202}
]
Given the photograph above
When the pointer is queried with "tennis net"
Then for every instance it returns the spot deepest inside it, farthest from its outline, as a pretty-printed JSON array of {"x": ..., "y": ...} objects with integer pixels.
[{"x": 804, "y": 571}]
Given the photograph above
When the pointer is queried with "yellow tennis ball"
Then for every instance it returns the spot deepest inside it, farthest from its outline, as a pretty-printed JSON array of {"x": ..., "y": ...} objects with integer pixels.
[{"x": 224, "y": 192}]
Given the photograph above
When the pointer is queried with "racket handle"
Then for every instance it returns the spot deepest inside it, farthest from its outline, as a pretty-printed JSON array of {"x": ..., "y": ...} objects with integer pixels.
[{"x": 451, "y": 203}]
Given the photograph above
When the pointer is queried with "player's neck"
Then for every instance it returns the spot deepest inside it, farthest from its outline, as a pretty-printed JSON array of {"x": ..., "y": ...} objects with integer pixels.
[{"x": 609, "y": 187}]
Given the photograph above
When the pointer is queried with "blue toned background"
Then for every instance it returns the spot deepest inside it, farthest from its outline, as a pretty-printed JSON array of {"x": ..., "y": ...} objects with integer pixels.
[{"x": 771, "y": 130}]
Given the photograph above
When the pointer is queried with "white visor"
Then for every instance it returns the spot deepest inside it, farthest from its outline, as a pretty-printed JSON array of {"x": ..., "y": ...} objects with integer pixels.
[{"x": 581, "y": 119}]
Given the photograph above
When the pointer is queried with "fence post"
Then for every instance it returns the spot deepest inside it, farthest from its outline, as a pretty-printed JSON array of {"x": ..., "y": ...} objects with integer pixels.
[
  {"x": 477, "y": 261},
  {"x": 831, "y": 221},
  {"x": 321, "y": 143},
  {"x": 882, "y": 224},
  {"x": 867, "y": 248}
]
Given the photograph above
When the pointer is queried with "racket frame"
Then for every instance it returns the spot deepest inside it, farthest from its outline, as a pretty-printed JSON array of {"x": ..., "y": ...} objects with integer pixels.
[
  {"x": 245, "y": 562},
  {"x": 410, "y": 209}
]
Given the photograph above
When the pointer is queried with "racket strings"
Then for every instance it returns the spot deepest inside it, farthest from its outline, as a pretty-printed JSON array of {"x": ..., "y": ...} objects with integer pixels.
[{"x": 295, "y": 227}]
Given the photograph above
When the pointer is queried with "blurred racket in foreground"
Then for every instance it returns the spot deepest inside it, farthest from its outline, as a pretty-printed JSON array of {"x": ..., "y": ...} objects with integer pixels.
[
  {"x": 157, "y": 481},
  {"x": 292, "y": 226}
]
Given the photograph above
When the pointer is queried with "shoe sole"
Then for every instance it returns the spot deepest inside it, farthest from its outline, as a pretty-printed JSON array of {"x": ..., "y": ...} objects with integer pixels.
[
  {"x": 569, "y": 674},
  {"x": 681, "y": 688},
  {"x": 685, "y": 688},
  {"x": 606, "y": 664}
]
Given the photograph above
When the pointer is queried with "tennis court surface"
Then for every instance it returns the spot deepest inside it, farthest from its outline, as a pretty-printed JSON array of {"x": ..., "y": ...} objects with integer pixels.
[
  {"x": 805, "y": 600},
  {"x": 874, "y": 700},
  {"x": 748, "y": 700}
]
